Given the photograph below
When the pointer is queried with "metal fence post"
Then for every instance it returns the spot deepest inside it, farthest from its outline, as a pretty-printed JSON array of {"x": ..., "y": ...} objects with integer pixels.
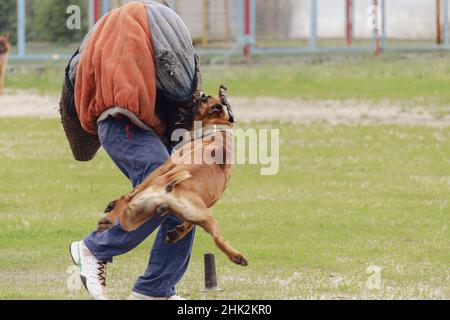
[
  {"x": 91, "y": 13},
  {"x": 21, "y": 28},
  {"x": 383, "y": 24},
  {"x": 446, "y": 24},
  {"x": 377, "y": 27},
  {"x": 105, "y": 7},
  {"x": 349, "y": 18},
  {"x": 252, "y": 23},
  {"x": 313, "y": 26}
]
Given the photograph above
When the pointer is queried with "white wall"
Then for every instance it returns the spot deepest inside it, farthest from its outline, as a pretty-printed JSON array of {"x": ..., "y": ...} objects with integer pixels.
[
  {"x": 191, "y": 12},
  {"x": 406, "y": 19}
]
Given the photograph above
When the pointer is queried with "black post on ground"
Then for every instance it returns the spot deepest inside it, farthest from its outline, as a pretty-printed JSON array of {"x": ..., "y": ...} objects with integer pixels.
[{"x": 210, "y": 272}]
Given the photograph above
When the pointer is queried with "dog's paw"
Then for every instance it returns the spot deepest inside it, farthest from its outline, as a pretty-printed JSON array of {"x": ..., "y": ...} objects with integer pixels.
[
  {"x": 172, "y": 236},
  {"x": 104, "y": 224},
  {"x": 240, "y": 260},
  {"x": 110, "y": 206}
]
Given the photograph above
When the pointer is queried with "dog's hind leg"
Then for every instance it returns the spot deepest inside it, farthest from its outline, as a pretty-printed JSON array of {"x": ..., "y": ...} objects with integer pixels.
[
  {"x": 111, "y": 206},
  {"x": 112, "y": 212},
  {"x": 163, "y": 210},
  {"x": 143, "y": 207}
]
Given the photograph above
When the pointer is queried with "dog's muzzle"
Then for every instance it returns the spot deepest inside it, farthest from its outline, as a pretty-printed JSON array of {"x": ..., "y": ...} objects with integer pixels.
[{"x": 218, "y": 107}]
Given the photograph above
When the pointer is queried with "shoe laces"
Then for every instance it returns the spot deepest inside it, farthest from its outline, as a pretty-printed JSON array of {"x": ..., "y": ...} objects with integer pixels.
[{"x": 101, "y": 268}]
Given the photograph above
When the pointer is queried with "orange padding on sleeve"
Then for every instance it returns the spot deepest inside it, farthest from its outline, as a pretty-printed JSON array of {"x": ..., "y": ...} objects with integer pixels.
[{"x": 117, "y": 69}]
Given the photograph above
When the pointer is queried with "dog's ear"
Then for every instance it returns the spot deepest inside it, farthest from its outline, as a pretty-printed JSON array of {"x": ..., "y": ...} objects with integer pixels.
[
  {"x": 223, "y": 95},
  {"x": 203, "y": 97},
  {"x": 197, "y": 95},
  {"x": 200, "y": 96}
]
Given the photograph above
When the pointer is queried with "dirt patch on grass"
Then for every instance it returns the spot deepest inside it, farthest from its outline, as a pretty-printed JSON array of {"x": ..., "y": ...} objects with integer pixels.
[
  {"x": 28, "y": 105},
  {"x": 335, "y": 112},
  {"x": 261, "y": 109}
]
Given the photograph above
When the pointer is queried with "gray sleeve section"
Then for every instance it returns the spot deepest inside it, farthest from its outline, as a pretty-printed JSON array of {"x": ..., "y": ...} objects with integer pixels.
[
  {"x": 174, "y": 51},
  {"x": 73, "y": 65}
]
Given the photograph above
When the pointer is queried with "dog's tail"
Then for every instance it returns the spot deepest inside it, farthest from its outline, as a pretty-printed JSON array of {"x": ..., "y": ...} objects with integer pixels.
[{"x": 177, "y": 179}]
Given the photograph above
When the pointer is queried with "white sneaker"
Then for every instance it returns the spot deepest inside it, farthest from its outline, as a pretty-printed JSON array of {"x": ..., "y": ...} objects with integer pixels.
[
  {"x": 175, "y": 297},
  {"x": 92, "y": 271},
  {"x": 138, "y": 296}
]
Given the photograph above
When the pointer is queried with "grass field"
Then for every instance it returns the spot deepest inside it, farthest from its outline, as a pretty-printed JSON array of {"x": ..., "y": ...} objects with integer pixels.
[{"x": 347, "y": 197}]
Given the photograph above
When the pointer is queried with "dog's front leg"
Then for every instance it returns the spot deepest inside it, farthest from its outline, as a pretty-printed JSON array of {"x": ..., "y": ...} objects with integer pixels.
[
  {"x": 193, "y": 211},
  {"x": 209, "y": 223}
]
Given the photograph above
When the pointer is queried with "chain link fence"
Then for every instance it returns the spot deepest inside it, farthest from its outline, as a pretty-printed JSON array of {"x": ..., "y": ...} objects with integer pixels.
[
  {"x": 38, "y": 29},
  {"x": 211, "y": 23},
  {"x": 46, "y": 27},
  {"x": 8, "y": 21},
  {"x": 350, "y": 25}
]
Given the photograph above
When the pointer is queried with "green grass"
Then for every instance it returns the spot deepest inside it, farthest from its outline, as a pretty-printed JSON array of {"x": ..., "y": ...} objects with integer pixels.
[
  {"x": 421, "y": 78},
  {"x": 44, "y": 81},
  {"x": 346, "y": 198}
]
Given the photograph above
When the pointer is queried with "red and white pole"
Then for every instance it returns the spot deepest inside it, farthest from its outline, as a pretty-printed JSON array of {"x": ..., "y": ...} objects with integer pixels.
[
  {"x": 349, "y": 21},
  {"x": 377, "y": 27},
  {"x": 438, "y": 22},
  {"x": 97, "y": 10}
]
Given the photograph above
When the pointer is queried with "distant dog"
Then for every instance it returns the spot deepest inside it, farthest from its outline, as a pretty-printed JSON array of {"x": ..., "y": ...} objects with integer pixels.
[
  {"x": 4, "y": 52},
  {"x": 183, "y": 188}
]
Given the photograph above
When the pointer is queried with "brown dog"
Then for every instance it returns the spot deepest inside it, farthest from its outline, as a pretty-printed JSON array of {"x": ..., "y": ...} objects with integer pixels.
[
  {"x": 4, "y": 51},
  {"x": 184, "y": 188}
]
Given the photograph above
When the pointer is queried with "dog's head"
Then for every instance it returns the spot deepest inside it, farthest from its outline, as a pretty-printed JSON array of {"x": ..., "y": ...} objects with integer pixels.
[
  {"x": 4, "y": 44},
  {"x": 212, "y": 110}
]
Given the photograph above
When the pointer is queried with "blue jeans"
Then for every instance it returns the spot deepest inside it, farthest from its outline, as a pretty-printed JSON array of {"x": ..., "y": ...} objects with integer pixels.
[{"x": 138, "y": 153}]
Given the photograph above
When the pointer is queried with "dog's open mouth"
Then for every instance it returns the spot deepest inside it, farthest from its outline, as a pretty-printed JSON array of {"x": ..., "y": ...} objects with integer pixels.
[{"x": 216, "y": 109}]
